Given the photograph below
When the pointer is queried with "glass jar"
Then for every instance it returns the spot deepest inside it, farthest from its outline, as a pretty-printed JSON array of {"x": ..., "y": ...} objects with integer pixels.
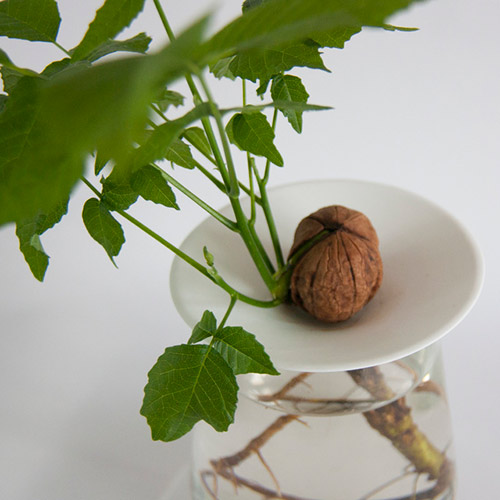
[{"x": 375, "y": 433}]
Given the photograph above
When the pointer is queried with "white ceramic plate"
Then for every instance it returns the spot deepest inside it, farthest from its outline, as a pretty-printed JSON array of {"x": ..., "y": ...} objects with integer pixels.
[{"x": 433, "y": 272}]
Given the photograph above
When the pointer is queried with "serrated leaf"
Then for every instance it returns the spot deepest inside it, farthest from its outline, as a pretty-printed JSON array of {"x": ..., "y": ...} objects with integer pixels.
[
  {"x": 242, "y": 352},
  {"x": 46, "y": 221},
  {"x": 151, "y": 185},
  {"x": 34, "y": 255},
  {"x": 263, "y": 64},
  {"x": 252, "y": 133},
  {"x": 205, "y": 328},
  {"x": 221, "y": 69},
  {"x": 29, "y": 231},
  {"x": 56, "y": 67},
  {"x": 161, "y": 139},
  {"x": 117, "y": 193},
  {"x": 197, "y": 137},
  {"x": 262, "y": 88},
  {"x": 139, "y": 43},
  {"x": 103, "y": 227},
  {"x": 35, "y": 20},
  {"x": 290, "y": 88},
  {"x": 283, "y": 21},
  {"x": 337, "y": 37},
  {"x": 250, "y": 109},
  {"x": 180, "y": 154},
  {"x": 110, "y": 19},
  {"x": 169, "y": 98},
  {"x": 189, "y": 383}
]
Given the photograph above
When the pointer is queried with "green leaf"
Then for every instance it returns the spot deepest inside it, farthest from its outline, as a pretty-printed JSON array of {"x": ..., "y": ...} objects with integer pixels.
[
  {"x": 34, "y": 254},
  {"x": 263, "y": 64},
  {"x": 278, "y": 22},
  {"x": 242, "y": 352},
  {"x": 205, "y": 328},
  {"x": 117, "y": 193},
  {"x": 337, "y": 37},
  {"x": 290, "y": 88},
  {"x": 250, "y": 4},
  {"x": 197, "y": 137},
  {"x": 99, "y": 163},
  {"x": 115, "y": 96},
  {"x": 139, "y": 43},
  {"x": 262, "y": 88},
  {"x": 160, "y": 141},
  {"x": 189, "y": 383},
  {"x": 251, "y": 109},
  {"x": 252, "y": 133},
  {"x": 180, "y": 154},
  {"x": 58, "y": 66},
  {"x": 35, "y": 20},
  {"x": 221, "y": 69},
  {"x": 103, "y": 227},
  {"x": 169, "y": 98},
  {"x": 29, "y": 231},
  {"x": 5, "y": 62},
  {"x": 151, "y": 185},
  {"x": 110, "y": 19},
  {"x": 45, "y": 136},
  {"x": 34, "y": 177},
  {"x": 10, "y": 78},
  {"x": 46, "y": 221},
  {"x": 3, "y": 101}
]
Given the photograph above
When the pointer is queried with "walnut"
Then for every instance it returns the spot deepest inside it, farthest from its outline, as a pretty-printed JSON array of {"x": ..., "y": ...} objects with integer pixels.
[{"x": 340, "y": 273}]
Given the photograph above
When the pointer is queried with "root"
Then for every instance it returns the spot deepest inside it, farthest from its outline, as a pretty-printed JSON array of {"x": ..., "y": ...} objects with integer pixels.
[{"x": 393, "y": 421}]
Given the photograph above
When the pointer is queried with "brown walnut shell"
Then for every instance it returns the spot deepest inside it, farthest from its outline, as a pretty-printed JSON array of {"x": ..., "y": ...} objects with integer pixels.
[{"x": 340, "y": 273}]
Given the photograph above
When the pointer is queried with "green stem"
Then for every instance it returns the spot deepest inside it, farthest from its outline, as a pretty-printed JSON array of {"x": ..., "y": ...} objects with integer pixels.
[
  {"x": 60, "y": 47},
  {"x": 214, "y": 213},
  {"x": 199, "y": 166},
  {"x": 201, "y": 268},
  {"x": 228, "y": 173},
  {"x": 164, "y": 20},
  {"x": 218, "y": 280},
  {"x": 268, "y": 163},
  {"x": 234, "y": 191},
  {"x": 202, "y": 169},
  {"x": 197, "y": 98},
  {"x": 228, "y": 312},
  {"x": 253, "y": 214},
  {"x": 250, "y": 238},
  {"x": 266, "y": 208}
]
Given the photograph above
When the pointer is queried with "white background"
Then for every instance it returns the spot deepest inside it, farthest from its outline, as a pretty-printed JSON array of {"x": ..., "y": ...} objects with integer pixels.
[{"x": 417, "y": 110}]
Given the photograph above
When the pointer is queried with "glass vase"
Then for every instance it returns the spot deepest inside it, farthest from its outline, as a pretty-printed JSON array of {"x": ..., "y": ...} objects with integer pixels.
[{"x": 375, "y": 433}]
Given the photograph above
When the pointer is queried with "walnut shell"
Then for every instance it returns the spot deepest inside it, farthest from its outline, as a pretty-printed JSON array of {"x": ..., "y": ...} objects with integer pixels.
[{"x": 339, "y": 274}]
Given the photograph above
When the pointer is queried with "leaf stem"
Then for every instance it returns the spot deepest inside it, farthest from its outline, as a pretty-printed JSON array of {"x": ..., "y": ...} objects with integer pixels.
[
  {"x": 228, "y": 312},
  {"x": 226, "y": 168},
  {"x": 197, "y": 99},
  {"x": 60, "y": 47},
  {"x": 214, "y": 213},
  {"x": 268, "y": 163},
  {"x": 250, "y": 238},
  {"x": 164, "y": 20},
  {"x": 218, "y": 280}
]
